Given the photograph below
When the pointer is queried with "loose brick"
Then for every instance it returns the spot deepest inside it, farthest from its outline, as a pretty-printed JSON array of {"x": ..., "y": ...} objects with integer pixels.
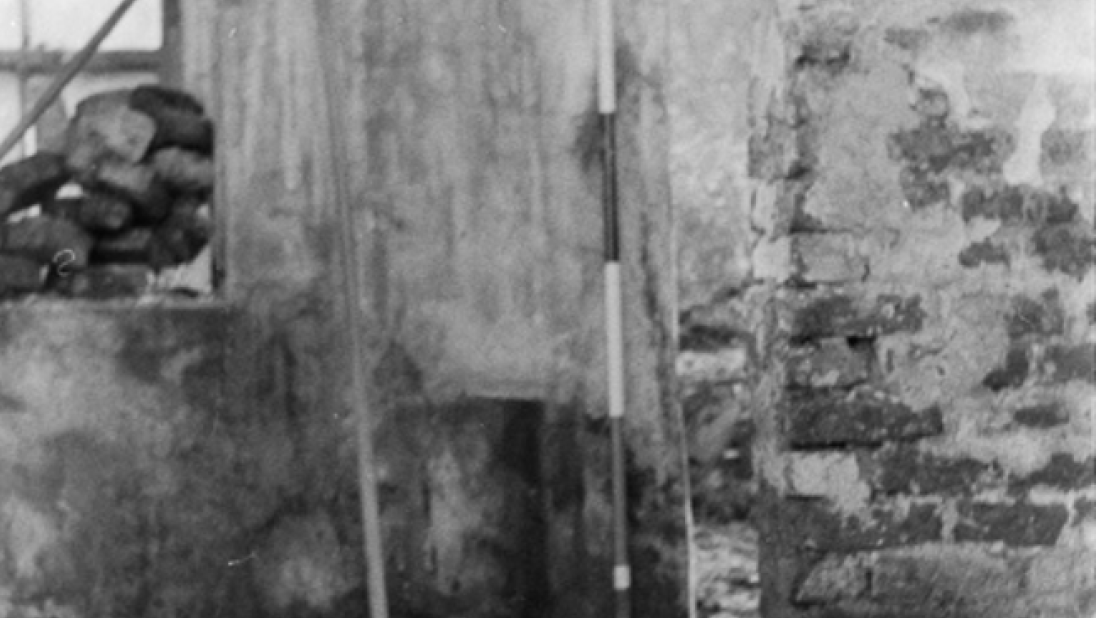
[
  {"x": 909, "y": 39},
  {"x": 43, "y": 239},
  {"x": 830, "y": 363},
  {"x": 862, "y": 417},
  {"x": 981, "y": 253},
  {"x": 935, "y": 147},
  {"x": 1041, "y": 416},
  {"x": 184, "y": 171},
  {"x": 854, "y": 316},
  {"x": 1044, "y": 316},
  {"x": 1014, "y": 372},
  {"x": 136, "y": 246},
  {"x": 1018, "y": 204},
  {"x": 1018, "y": 524},
  {"x": 94, "y": 212},
  {"x": 185, "y": 233},
  {"x": 824, "y": 475},
  {"x": 827, "y": 258},
  {"x": 1067, "y": 363},
  {"x": 179, "y": 118},
  {"x": 31, "y": 181},
  {"x": 817, "y": 525},
  {"x": 1066, "y": 247},
  {"x": 834, "y": 579},
  {"x": 700, "y": 336},
  {"x": 106, "y": 127},
  {"x": 19, "y": 275},
  {"x": 1063, "y": 471},
  {"x": 907, "y": 470},
  {"x": 104, "y": 282},
  {"x": 139, "y": 186}
]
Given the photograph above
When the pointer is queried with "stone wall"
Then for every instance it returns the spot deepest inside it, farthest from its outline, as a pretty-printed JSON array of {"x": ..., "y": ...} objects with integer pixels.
[
  {"x": 199, "y": 458},
  {"x": 926, "y": 195}
]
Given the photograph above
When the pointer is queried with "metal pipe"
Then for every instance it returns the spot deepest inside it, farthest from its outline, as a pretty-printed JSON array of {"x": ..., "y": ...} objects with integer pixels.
[
  {"x": 63, "y": 78},
  {"x": 614, "y": 307},
  {"x": 354, "y": 285}
]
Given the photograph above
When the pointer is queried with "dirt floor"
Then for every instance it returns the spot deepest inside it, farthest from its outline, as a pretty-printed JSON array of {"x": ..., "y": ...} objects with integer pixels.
[{"x": 727, "y": 584}]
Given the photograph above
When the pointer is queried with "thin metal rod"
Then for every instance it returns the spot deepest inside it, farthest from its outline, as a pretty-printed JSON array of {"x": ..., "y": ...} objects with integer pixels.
[
  {"x": 354, "y": 285},
  {"x": 22, "y": 73},
  {"x": 614, "y": 306},
  {"x": 67, "y": 74}
]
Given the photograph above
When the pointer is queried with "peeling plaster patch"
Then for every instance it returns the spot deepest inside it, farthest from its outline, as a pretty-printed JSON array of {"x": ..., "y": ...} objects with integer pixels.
[
  {"x": 1057, "y": 39},
  {"x": 835, "y": 476},
  {"x": 1037, "y": 116}
]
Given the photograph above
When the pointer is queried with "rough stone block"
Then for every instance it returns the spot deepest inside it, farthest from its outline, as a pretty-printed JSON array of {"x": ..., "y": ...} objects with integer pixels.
[
  {"x": 817, "y": 525},
  {"x": 854, "y": 316},
  {"x": 136, "y": 246},
  {"x": 19, "y": 275},
  {"x": 907, "y": 470},
  {"x": 834, "y": 579},
  {"x": 1017, "y": 524},
  {"x": 827, "y": 258},
  {"x": 825, "y": 475},
  {"x": 106, "y": 127},
  {"x": 95, "y": 212},
  {"x": 46, "y": 240},
  {"x": 179, "y": 118},
  {"x": 31, "y": 181},
  {"x": 830, "y": 363},
  {"x": 184, "y": 171},
  {"x": 139, "y": 186},
  {"x": 103, "y": 282},
  {"x": 861, "y": 417}
]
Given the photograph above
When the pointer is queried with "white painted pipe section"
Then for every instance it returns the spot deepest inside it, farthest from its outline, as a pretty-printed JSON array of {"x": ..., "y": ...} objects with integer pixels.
[
  {"x": 614, "y": 326},
  {"x": 606, "y": 62}
]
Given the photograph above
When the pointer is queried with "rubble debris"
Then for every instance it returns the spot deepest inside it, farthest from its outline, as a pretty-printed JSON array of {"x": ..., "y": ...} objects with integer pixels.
[{"x": 138, "y": 164}]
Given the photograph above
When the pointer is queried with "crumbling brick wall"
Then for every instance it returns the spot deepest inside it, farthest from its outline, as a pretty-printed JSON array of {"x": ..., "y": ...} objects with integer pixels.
[{"x": 925, "y": 434}]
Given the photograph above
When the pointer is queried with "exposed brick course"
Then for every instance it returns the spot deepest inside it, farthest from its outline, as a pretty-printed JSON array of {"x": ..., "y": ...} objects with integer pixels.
[
  {"x": 845, "y": 315},
  {"x": 863, "y": 416},
  {"x": 904, "y": 469},
  {"x": 817, "y": 525},
  {"x": 1017, "y": 524}
]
